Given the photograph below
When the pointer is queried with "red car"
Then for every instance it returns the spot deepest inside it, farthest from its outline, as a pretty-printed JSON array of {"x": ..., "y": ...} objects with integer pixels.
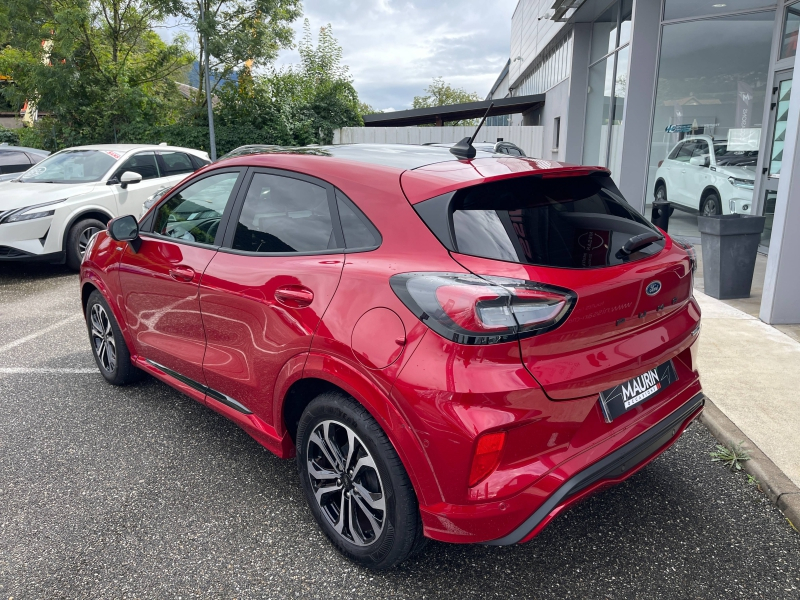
[{"x": 454, "y": 349}]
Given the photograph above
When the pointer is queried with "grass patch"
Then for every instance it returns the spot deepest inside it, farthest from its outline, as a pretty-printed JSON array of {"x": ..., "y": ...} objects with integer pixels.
[{"x": 733, "y": 458}]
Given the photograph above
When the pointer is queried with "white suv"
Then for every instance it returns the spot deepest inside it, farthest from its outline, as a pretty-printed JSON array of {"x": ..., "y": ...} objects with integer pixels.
[
  {"x": 51, "y": 211},
  {"x": 703, "y": 175}
]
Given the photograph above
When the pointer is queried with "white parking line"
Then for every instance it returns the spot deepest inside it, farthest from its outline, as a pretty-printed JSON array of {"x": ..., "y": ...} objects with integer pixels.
[
  {"x": 22, "y": 370},
  {"x": 39, "y": 333}
]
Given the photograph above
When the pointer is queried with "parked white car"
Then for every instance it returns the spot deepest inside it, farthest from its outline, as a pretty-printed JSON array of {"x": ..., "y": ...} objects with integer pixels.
[
  {"x": 703, "y": 175},
  {"x": 52, "y": 210}
]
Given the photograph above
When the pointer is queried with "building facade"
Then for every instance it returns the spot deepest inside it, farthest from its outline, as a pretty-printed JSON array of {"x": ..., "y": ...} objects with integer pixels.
[{"x": 687, "y": 98}]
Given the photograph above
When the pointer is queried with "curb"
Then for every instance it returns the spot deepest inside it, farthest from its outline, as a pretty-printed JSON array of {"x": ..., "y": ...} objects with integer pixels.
[{"x": 776, "y": 485}]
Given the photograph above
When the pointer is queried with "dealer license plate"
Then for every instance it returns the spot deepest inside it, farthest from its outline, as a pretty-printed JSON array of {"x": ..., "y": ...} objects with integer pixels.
[{"x": 626, "y": 396}]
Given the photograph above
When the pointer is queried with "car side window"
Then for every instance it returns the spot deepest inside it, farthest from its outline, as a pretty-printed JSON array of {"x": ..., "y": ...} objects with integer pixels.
[
  {"x": 685, "y": 153},
  {"x": 700, "y": 148},
  {"x": 284, "y": 214},
  {"x": 674, "y": 154},
  {"x": 13, "y": 158},
  {"x": 194, "y": 213},
  {"x": 143, "y": 163},
  {"x": 358, "y": 231},
  {"x": 175, "y": 163}
]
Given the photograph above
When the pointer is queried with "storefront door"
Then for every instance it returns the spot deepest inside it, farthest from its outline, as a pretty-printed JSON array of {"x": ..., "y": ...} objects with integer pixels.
[{"x": 771, "y": 172}]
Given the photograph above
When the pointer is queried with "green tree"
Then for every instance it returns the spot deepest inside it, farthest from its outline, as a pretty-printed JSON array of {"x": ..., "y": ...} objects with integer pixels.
[
  {"x": 439, "y": 93},
  {"x": 97, "y": 66},
  {"x": 239, "y": 33}
]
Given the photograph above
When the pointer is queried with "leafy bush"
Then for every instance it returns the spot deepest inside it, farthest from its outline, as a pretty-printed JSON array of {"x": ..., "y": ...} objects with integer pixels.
[{"x": 9, "y": 136}]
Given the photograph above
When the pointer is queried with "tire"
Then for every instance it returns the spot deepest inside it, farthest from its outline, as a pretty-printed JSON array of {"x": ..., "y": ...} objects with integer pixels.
[
  {"x": 711, "y": 206},
  {"x": 77, "y": 238},
  {"x": 108, "y": 346},
  {"x": 335, "y": 431},
  {"x": 661, "y": 192}
]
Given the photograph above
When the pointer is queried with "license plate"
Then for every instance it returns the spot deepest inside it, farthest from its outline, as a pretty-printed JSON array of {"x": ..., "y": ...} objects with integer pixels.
[{"x": 626, "y": 396}]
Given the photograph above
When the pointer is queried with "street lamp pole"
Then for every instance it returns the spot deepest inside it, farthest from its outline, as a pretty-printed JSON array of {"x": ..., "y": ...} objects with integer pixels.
[{"x": 212, "y": 140}]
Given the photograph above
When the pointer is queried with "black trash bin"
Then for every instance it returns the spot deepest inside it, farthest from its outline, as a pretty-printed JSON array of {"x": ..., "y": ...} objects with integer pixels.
[
  {"x": 661, "y": 212},
  {"x": 730, "y": 244}
]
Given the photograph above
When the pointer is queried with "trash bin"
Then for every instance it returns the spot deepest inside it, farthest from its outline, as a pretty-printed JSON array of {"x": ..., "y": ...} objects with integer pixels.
[
  {"x": 660, "y": 214},
  {"x": 730, "y": 244}
]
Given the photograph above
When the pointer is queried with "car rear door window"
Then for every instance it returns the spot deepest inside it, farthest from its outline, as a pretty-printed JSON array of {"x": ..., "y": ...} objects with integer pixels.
[
  {"x": 359, "y": 233},
  {"x": 575, "y": 222},
  {"x": 194, "y": 213},
  {"x": 284, "y": 215},
  {"x": 143, "y": 163},
  {"x": 175, "y": 163}
]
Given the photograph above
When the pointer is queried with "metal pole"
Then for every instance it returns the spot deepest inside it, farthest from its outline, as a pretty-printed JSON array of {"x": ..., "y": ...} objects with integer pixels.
[{"x": 212, "y": 140}]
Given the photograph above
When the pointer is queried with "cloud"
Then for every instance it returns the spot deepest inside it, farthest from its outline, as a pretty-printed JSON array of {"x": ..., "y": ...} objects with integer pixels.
[{"x": 394, "y": 48}]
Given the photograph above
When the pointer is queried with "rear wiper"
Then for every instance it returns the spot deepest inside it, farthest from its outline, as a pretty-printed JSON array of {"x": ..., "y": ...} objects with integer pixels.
[{"x": 638, "y": 242}]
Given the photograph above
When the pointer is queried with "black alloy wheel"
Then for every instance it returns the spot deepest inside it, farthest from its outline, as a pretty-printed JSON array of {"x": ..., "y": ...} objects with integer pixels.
[
  {"x": 355, "y": 484},
  {"x": 108, "y": 346}
]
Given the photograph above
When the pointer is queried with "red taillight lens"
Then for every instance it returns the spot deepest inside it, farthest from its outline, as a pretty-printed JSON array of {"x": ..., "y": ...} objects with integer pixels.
[
  {"x": 471, "y": 309},
  {"x": 690, "y": 251},
  {"x": 487, "y": 456}
]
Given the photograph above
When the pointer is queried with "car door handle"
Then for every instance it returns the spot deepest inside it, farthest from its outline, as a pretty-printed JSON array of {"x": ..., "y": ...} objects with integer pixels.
[
  {"x": 182, "y": 273},
  {"x": 294, "y": 296}
]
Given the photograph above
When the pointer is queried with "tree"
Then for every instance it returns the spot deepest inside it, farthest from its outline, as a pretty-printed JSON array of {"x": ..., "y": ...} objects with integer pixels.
[
  {"x": 96, "y": 65},
  {"x": 439, "y": 93},
  {"x": 239, "y": 32}
]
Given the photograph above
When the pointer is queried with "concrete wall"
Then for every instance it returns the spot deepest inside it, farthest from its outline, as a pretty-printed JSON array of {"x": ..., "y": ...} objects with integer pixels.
[{"x": 530, "y": 139}]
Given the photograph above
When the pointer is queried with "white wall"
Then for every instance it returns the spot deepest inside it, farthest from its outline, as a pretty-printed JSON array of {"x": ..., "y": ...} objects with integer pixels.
[
  {"x": 528, "y": 138},
  {"x": 530, "y": 34}
]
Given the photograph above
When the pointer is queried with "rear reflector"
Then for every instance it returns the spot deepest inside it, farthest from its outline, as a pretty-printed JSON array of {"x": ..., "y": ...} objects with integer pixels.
[
  {"x": 472, "y": 309},
  {"x": 487, "y": 456}
]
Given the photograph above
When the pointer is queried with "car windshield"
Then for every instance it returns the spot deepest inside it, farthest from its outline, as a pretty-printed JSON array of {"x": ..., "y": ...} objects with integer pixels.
[
  {"x": 72, "y": 166},
  {"x": 745, "y": 159}
]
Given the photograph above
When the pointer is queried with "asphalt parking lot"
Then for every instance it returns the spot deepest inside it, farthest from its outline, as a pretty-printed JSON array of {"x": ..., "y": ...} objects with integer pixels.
[{"x": 140, "y": 492}]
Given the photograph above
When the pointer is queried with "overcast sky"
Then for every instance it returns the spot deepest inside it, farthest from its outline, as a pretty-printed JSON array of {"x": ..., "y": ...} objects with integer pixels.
[{"x": 394, "y": 48}]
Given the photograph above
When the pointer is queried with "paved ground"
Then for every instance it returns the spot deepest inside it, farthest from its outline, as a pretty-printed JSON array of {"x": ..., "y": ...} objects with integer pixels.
[{"x": 142, "y": 493}]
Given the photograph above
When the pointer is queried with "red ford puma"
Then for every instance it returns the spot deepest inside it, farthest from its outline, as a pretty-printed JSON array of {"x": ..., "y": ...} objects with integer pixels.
[{"x": 453, "y": 348}]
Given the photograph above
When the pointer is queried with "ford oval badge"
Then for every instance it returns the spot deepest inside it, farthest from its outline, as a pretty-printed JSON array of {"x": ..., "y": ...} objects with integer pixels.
[{"x": 653, "y": 288}]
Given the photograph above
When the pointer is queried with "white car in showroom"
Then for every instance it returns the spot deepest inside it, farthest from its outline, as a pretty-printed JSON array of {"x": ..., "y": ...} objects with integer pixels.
[
  {"x": 704, "y": 175},
  {"x": 51, "y": 211}
]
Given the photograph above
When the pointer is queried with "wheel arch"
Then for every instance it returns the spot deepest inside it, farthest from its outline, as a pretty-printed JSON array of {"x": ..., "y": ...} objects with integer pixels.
[
  {"x": 325, "y": 373},
  {"x": 98, "y": 213},
  {"x": 91, "y": 283},
  {"x": 659, "y": 181}
]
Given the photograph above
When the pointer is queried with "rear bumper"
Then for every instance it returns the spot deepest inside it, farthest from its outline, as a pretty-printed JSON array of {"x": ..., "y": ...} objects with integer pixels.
[
  {"x": 615, "y": 467},
  {"x": 598, "y": 464}
]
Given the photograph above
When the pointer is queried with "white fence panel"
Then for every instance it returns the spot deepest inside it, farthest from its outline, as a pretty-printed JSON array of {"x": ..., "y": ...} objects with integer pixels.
[{"x": 530, "y": 139}]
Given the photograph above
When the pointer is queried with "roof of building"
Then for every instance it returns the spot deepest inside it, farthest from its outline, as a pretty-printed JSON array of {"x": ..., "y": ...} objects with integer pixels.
[{"x": 453, "y": 112}]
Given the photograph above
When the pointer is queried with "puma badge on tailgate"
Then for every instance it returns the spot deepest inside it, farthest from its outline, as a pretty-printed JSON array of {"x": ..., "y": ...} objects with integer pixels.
[{"x": 625, "y": 396}]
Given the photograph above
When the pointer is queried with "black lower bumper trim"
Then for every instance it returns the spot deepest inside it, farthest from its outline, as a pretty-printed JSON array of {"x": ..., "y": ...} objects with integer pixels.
[{"x": 612, "y": 466}]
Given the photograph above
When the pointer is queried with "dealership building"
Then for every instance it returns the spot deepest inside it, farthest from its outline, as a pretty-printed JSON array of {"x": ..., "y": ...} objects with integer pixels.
[{"x": 693, "y": 96}]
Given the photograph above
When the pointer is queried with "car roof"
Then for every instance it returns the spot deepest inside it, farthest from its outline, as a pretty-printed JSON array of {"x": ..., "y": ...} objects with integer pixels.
[
  {"x": 426, "y": 171},
  {"x": 5, "y": 147},
  {"x": 125, "y": 148}
]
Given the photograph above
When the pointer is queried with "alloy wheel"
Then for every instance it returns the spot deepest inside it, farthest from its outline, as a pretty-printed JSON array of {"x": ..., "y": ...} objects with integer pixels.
[
  {"x": 103, "y": 338},
  {"x": 83, "y": 239},
  {"x": 661, "y": 195},
  {"x": 346, "y": 483},
  {"x": 710, "y": 207}
]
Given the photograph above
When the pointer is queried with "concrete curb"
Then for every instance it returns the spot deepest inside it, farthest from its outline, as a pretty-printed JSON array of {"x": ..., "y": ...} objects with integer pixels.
[{"x": 778, "y": 487}]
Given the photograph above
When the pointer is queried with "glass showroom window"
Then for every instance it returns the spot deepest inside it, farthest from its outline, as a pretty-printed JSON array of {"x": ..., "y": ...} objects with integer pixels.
[
  {"x": 608, "y": 78},
  {"x": 712, "y": 85}
]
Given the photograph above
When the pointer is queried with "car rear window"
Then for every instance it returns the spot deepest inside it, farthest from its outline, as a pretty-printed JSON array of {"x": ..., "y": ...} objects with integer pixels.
[{"x": 578, "y": 222}]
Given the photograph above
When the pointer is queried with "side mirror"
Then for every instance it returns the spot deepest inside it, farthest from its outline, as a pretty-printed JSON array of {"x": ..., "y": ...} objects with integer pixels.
[
  {"x": 125, "y": 229},
  {"x": 129, "y": 177},
  {"x": 699, "y": 161}
]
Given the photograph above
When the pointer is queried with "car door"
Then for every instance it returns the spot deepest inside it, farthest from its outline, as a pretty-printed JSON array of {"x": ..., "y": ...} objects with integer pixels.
[
  {"x": 130, "y": 198},
  {"x": 697, "y": 177},
  {"x": 265, "y": 291},
  {"x": 160, "y": 280},
  {"x": 676, "y": 188}
]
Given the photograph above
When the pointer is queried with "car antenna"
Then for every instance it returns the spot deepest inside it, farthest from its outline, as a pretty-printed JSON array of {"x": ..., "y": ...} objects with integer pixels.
[{"x": 464, "y": 148}]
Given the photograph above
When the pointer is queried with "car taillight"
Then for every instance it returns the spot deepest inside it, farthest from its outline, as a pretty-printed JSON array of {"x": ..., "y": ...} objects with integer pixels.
[
  {"x": 487, "y": 456},
  {"x": 690, "y": 251},
  {"x": 472, "y": 309}
]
